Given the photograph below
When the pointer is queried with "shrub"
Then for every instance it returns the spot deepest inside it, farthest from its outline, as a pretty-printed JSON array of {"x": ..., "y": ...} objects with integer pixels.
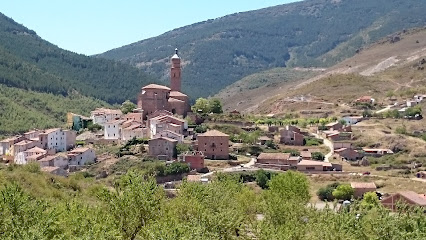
[
  {"x": 343, "y": 192},
  {"x": 326, "y": 193},
  {"x": 318, "y": 156},
  {"x": 292, "y": 152}
]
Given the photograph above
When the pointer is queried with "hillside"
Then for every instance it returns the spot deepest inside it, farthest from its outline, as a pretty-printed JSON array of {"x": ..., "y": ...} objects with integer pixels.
[
  {"x": 22, "y": 109},
  {"x": 31, "y": 63},
  {"x": 381, "y": 70},
  {"x": 312, "y": 33}
]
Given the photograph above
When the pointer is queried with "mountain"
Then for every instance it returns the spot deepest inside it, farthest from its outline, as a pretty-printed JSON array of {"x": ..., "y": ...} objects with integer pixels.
[
  {"x": 312, "y": 33},
  {"x": 40, "y": 83},
  {"x": 384, "y": 69},
  {"x": 31, "y": 63}
]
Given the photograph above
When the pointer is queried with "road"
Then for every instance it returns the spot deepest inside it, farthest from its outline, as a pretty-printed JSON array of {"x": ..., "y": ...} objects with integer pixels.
[
  {"x": 384, "y": 109},
  {"x": 327, "y": 143}
]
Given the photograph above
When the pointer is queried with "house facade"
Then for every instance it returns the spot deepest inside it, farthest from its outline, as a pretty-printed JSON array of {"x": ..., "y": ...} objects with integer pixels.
[
  {"x": 81, "y": 156},
  {"x": 214, "y": 144},
  {"x": 360, "y": 188},
  {"x": 162, "y": 148},
  {"x": 103, "y": 115},
  {"x": 407, "y": 197},
  {"x": 348, "y": 154},
  {"x": 291, "y": 136},
  {"x": 195, "y": 159}
]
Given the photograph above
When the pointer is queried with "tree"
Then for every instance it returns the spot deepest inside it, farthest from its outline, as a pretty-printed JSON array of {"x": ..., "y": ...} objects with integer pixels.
[
  {"x": 271, "y": 144},
  {"x": 413, "y": 111},
  {"x": 343, "y": 122},
  {"x": 201, "y": 106},
  {"x": 215, "y": 106},
  {"x": 262, "y": 179},
  {"x": 94, "y": 127},
  {"x": 127, "y": 107},
  {"x": 291, "y": 186},
  {"x": 134, "y": 203},
  {"x": 182, "y": 148},
  {"x": 343, "y": 192},
  {"x": 326, "y": 193},
  {"x": 370, "y": 200}
]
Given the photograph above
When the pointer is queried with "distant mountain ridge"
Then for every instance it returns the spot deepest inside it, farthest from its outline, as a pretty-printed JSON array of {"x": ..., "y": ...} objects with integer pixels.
[{"x": 312, "y": 33}]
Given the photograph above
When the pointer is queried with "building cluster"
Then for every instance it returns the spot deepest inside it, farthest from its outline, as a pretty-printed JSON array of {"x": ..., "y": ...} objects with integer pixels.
[
  {"x": 53, "y": 149},
  {"x": 303, "y": 163}
]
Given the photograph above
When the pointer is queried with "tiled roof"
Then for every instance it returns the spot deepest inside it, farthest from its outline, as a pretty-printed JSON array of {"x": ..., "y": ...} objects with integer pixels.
[
  {"x": 80, "y": 150},
  {"x": 419, "y": 199},
  {"x": 175, "y": 100},
  {"x": 156, "y": 86},
  {"x": 213, "y": 133},
  {"x": 23, "y": 142},
  {"x": 310, "y": 163},
  {"x": 363, "y": 185},
  {"x": 47, "y": 131},
  {"x": 177, "y": 94},
  {"x": 165, "y": 138},
  {"x": 306, "y": 154},
  {"x": 100, "y": 111},
  {"x": 36, "y": 150},
  {"x": 275, "y": 156}
]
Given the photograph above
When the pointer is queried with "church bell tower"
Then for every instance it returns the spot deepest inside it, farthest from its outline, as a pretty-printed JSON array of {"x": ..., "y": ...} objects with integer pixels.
[{"x": 175, "y": 73}]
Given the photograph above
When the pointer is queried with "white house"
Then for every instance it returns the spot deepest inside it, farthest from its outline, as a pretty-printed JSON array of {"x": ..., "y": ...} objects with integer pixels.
[
  {"x": 169, "y": 134},
  {"x": 166, "y": 122},
  {"x": 134, "y": 129},
  {"x": 58, "y": 139},
  {"x": 112, "y": 129},
  {"x": 30, "y": 155},
  {"x": 103, "y": 115},
  {"x": 411, "y": 103},
  {"x": 81, "y": 156}
]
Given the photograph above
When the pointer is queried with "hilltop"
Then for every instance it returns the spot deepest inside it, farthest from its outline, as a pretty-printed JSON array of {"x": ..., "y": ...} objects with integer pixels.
[{"x": 313, "y": 33}]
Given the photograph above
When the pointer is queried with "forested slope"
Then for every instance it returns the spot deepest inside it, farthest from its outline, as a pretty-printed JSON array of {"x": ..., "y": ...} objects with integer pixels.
[
  {"x": 312, "y": 33},
  {"x": 31, "y": 63}
]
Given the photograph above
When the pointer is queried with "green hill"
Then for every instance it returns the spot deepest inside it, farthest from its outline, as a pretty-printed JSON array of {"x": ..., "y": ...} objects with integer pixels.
[
  {"x": 31, "y": 63},
  {"x": 312, "y": 33}
]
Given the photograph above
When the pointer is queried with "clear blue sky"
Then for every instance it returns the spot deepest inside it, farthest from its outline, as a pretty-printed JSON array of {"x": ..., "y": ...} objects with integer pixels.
[{"x": 95, "y": 26}]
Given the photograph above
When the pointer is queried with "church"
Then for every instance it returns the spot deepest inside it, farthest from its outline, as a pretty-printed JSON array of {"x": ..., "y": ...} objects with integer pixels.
[{"x": 154, "y": 97}]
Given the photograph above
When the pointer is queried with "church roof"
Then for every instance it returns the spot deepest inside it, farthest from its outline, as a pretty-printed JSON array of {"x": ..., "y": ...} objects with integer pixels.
[
  {"x": 177, "y": 94},
  {"x": 156, "y": 86},
  {"x": 175, "y": 100}
]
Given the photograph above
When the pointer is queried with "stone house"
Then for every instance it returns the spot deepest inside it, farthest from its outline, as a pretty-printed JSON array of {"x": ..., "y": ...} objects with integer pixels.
[
  {"x": 279, "y": 161},
  {"x": 334, "y": 126},
  {"x": 314, "y": 166},
  {"x": 195, "y": 159},
  {"x": 163, "y": 148},
  {"x": 348, "y": 154},
  {"x": 306, "y": 155},
  {"x": 81, "y": 156},
  {"x": 55, "y": 170},
  {"x": 101, "y": 116},
  {"x": 360, "y": 188},
  {"x": 214, "y": 144},
  {"x": 291, "y": 136},
  {"x": 407, "y": 197},
  {"x": 169, "y": 134}
]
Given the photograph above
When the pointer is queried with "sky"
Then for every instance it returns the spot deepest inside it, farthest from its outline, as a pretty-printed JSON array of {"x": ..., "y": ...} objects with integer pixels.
[{"x": 95, "y": 26}]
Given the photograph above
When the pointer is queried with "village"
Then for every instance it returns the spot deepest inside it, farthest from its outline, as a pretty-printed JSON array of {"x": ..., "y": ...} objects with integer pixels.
[{"x": 164, "y": 127}]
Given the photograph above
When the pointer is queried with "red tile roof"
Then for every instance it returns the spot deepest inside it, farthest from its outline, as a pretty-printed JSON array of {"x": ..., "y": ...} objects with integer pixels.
[
  {"x": 213, "y": 133},
  {"x": 177, "y": 94},
  {"x": 363, "y": 185},
  {"x": 275, "y": 156}
]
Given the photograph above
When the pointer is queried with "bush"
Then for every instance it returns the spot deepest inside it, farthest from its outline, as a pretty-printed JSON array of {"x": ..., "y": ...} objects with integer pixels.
[
  {"x": 292, "y": 152},
  {"x": 343, "y": 192},
  {"x": 326, "y": 193},
  {"x": 318, "y": 156},
  {"x": 94, "y": 127},
  {"x": 309, "y": 141}
]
